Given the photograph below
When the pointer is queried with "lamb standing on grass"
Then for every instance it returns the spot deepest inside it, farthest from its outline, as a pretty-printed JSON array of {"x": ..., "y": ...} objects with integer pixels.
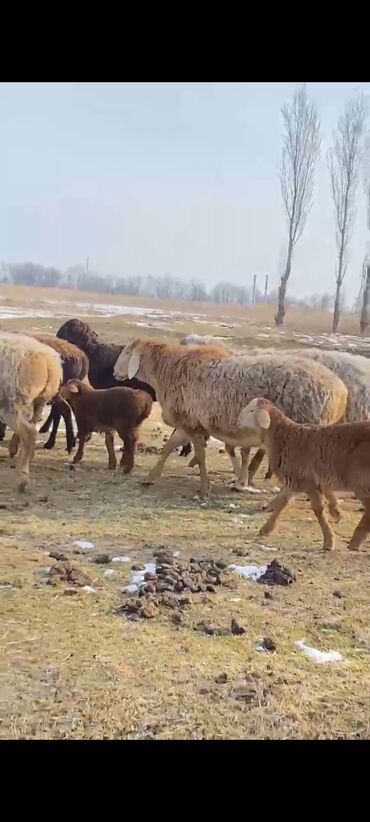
[
  {"x": 313, "y": 460},
  {"x": 30, "y": 376},
  {"x": 202, "y": 394},
  {"x": 108, "y": 410}
]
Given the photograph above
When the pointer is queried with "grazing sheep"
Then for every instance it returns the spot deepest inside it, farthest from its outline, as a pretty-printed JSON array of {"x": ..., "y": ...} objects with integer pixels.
[
  {"x": 314, "y": 460},
  {"x": 75, "y": 365},
  {"x": 108, "y": 410},
  {"x": 202, "y": 394},
  {"x": 30, "y": 376}
]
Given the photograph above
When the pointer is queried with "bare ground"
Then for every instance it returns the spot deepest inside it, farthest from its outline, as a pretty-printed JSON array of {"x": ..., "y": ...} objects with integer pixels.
[{"x": 72, "y": 666}]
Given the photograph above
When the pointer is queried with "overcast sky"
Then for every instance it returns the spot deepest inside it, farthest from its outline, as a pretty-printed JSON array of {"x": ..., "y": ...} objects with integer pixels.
[{"x": 177, "y": 178}]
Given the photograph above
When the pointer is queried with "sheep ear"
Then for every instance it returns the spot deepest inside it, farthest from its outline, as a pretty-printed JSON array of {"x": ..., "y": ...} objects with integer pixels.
[
  {"x": 74, "y": 389},
  {"x": 133, "y": 364},
  {"x": 263, "y": 418}
]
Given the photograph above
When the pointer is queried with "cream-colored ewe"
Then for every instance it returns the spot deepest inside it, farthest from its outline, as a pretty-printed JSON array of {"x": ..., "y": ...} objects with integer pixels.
[{"x": 30, "y": 376}]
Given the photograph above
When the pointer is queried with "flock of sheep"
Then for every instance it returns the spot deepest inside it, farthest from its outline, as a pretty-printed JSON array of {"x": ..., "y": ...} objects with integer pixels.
[{"x": 307, "y": 410}]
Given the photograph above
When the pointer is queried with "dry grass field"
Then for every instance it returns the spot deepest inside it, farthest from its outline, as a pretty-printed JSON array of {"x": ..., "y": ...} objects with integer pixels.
[{"x": 72, "y": 665}]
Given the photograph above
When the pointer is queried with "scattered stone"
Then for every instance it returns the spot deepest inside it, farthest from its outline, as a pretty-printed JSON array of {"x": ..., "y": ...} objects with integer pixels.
[
  {"x": 70, "y": 591},
  {"x": 277, "y": 574},
  {"x": 67, "y": 573},
  {"x": 268, "y": 595},
  {"x": 236, "y": 628},
  {"x": 149, "y": 611},
  {"x": 211, "y": 589},
  {"x": 177, "y": 619},
  {"x": 58, "y": 556},
  {"x": 211, "y": 630},
  {"x": 220, "y": 679},
  {"x": 266, "y": 644},
  {"x": 244, "y": 693},
  {"x": 137, "y": 567},
  {"x": 102, "y": 559},
  {"x": 338, "y": 594}
]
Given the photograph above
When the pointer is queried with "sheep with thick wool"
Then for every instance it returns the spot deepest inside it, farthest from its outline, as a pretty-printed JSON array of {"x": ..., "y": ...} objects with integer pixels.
[
  {"x": 202, "y": 394},
  {"x": 30, "y": 376},
  {"x": 315, "y": 460}
]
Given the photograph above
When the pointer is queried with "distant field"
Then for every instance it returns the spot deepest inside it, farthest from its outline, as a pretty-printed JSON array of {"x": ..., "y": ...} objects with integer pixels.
[{"x": 73, "y": 667}]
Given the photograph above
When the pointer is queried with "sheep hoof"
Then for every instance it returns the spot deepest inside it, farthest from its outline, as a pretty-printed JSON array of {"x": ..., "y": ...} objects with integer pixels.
[
  {"x": 335, "y": 514},
  {"x": 147, "y": 482},
  {"x": 329, "y": 546},
  {"x": 49, "y": 445},
  {"x": 22, "y": 485}
]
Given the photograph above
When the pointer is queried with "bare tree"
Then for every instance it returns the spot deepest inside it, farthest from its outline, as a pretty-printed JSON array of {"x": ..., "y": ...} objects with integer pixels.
[
  {"x": 344, "y": 165},
  {"x": 301, "y": 146},
  {"x": 364, "y": 321}
]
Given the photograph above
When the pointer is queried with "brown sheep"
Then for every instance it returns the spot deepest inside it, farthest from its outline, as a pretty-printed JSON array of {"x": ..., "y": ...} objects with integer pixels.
[
  {"x": 106, "y": 411},
  {"x": 314, "y": 460}
]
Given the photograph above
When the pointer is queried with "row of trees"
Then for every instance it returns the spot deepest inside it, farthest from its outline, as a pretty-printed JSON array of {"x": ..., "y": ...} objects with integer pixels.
[
  {"x": 300, "y": 153},
  {"x": 166, "y": 287}
]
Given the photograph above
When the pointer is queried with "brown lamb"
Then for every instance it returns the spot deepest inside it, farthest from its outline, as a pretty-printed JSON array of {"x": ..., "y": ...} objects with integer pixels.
[
  {"x": 315, "y": 460},
  {"x": 106, "y": 411}
]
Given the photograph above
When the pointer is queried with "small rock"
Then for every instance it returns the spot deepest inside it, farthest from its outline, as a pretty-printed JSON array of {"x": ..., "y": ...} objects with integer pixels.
[
  {"x": 244, "y": 693},
  {"x": 102, "y": 559},
  {"x": 176, "y": 619},
  {"x": 337, "y": 594},
  {"x": 149, "y": 611},
  {"x": 236, "y": 628},
  {"x": 149, "y": 576},
  {"x": 164, "y": 557},
  {"x": 137, "y": 567},
  {"x": 70, "y": 591},
  {"x": 220, "y": 679},
  {"x": 268, "y": 595},
  {"x": 277, "y": 574},
  {"x": 150, "y": 588},
  {"x": 266, "y": 644},
  {"x": 58, "y": 556},
  {"x": 188, "y": 583},
  {"x": 211, "y": 589}
]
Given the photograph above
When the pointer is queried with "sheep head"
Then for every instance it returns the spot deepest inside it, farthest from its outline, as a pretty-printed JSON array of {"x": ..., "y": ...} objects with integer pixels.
[
  {"x": 69, "y": 388},
  {"x": 128, "y": 363},
  {"x": 255, "y": 416}
]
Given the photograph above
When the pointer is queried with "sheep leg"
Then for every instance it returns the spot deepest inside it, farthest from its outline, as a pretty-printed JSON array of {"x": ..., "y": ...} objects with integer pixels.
[
  {"x": 254, "y": 466},
  {"x": 241, "y": 483},
  {"x": 60, "y": 408},
  {"x": 3, "y": 429},
  {"x": 334, "y": 508},
  {"x": 26, "y": 433},
  {"x": 200, "y": 453},
  {"x": 38, "y": 406},
  {"x": 363, "y": 527},
  {"x": 45, "y": 427},
  {"x": 280, "y": 503},
  {"x": 80, "y": 450},
  {"x": 55, "y": 416},
  {"x": 177, "y": 438},
  {"x": 128, "y": 456},
  {"x": 185, "y": 451},
  {"x": 317, "y": 503},
  {"x": 109, "y": 442}
]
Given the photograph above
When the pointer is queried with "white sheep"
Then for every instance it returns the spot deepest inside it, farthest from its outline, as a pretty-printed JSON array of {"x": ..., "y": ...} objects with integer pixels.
[
  {"x": 30, "y": 376},
  {"x": 202, "y": 394}
]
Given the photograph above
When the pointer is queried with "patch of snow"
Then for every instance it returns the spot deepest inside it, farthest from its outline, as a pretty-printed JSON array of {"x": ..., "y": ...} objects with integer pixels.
[
  {"x": 318, "y": 656},
  {"x": 253, "y": 572},
  {"x": 84, "y": 544},
  {"x": 89, "y": 589},
  {"x": 109, "y": 573},
  {"x": 121, "y": 559},
  {"x": 267, "y": 548},
  {"x": 137, "y": 578}
]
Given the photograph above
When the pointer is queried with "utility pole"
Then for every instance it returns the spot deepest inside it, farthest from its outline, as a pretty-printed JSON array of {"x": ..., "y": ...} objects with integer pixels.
[
  {"x": 266, "y": 287},
  {"x": 254, "y": 290},
  {"x": 87, "y": 265}
]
